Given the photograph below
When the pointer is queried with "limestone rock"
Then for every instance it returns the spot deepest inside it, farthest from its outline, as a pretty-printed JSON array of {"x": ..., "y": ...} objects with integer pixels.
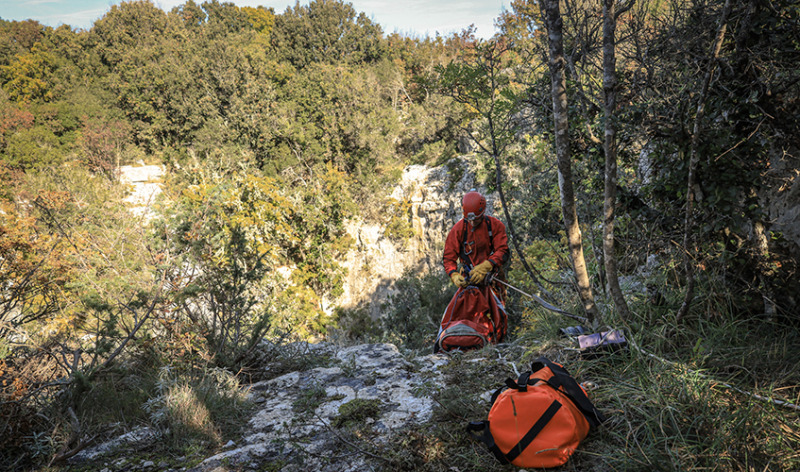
[
  {"x": 376, "y": 261},
  {"x": 139, "y": 438},
  {"x": 145, "y": 183},
  {"x": 296, "y": 424}
]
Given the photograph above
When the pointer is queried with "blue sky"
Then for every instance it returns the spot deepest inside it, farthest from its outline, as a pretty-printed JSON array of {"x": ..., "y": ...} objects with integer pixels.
[{"x": 412, "y": 17}]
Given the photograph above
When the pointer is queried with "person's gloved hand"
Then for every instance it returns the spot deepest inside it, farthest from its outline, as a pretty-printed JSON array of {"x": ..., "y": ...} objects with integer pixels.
[
  {"x": 479, "y": 272},
  {"x": 458, "y": 280}
]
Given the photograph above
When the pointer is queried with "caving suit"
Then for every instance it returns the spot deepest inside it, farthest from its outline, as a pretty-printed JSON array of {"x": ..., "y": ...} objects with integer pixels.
[{"x": 473, "y": 245}]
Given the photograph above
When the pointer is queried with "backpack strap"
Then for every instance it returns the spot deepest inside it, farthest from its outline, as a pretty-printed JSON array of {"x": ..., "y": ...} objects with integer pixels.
[
  {"x": 487, "y": 439},
  {"x": 491, "y": 239},
  {"x": 463, "y": 251},
  {"x": 534, "y": 431},
  {"x": 465, "y": 260},
  {"x": 561, "y": 378}
]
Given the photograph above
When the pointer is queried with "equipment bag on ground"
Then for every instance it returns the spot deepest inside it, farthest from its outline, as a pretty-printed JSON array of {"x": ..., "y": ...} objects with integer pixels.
[
  {"x": 474, "y": 318},
  {"x": 538, "y": 420}
]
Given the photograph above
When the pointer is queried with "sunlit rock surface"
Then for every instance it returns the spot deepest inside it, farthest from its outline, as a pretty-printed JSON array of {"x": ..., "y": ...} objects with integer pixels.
[
  {"x": 376, "y": 261},
  {"x": 296, "y": 427},
  {"x": 145, "y": 184}
]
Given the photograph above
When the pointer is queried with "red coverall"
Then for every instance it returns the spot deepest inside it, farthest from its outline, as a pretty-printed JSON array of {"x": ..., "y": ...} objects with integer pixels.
[{"x": 476, "y": 244}]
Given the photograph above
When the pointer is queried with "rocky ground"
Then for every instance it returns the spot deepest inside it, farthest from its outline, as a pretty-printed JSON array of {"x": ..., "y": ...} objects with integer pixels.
[{"x": 327, "y": 418}]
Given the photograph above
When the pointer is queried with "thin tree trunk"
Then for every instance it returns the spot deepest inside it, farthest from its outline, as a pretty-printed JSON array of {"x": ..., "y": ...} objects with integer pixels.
[
  {"x": 688, "y": 234},
  {"x": 552, "y": 19},
  {"x": 509, "y": 222},
  {"x": 610, "y": 148},
  {"x": 496, "y": 150}
]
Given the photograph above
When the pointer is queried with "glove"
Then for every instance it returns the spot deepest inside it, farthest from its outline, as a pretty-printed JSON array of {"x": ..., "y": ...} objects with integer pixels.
[
  {"x": 458, "y": 280},
  {"x": 479, "y": 272}
]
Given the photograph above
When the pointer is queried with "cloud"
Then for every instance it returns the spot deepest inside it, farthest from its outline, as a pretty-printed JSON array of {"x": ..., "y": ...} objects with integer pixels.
[
  {"x": 34, "y": 3},
  {"x": 414, "y": 17}
]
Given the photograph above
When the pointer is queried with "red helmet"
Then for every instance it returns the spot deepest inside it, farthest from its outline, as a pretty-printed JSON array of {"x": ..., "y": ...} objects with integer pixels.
[{"x": 473, "y": 204}]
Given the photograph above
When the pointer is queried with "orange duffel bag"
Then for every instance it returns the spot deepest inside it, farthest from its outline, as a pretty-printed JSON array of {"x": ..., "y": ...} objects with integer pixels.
[{"x": 539, "y": 420}]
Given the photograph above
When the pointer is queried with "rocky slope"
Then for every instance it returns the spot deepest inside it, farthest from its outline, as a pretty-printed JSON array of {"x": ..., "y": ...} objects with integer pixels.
[
  {"x": 301, "y": 420},
  {"x": 340, "y": 416}
]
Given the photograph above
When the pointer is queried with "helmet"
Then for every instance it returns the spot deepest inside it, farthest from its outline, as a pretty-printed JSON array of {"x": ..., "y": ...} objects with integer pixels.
[{"x": 473, "y": 204}]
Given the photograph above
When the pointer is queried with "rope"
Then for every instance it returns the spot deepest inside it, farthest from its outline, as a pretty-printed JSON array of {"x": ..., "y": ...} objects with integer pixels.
[
  {"x": 782, "y": 403},
  {"x": 539, "y": 300},
  {"x": 555, "y": 309}
]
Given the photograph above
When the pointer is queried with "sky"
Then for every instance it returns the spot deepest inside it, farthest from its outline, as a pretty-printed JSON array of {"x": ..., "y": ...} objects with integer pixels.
[{"x": 409, "y": 17}]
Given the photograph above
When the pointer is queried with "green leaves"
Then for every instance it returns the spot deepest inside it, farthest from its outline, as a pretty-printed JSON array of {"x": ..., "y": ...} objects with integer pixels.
[
  {"x": 486, "y": 81},
  {"x": 327, "y": 32},
  {"x": 258, "y": 253},
  {"x": 30, "y": 76}
]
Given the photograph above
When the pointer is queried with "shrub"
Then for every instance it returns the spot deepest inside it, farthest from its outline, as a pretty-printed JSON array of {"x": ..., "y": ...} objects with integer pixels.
[{"x": 412, "y": 316}]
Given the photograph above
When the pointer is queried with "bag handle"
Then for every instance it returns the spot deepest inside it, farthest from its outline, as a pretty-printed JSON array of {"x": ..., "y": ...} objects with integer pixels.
[
  {"x": 562, "y": 378},
  {"x": 522, "y": 382}
]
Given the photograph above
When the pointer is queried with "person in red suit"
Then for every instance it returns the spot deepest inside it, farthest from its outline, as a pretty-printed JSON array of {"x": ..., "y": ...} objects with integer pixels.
[{"x": 479, "y": 241}]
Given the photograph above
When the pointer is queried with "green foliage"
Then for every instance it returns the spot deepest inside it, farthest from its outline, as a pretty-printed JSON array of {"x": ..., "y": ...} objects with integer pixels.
[
  {"x": 680, "y": 413},
  {"x": 29, "y": 76},
  {"x": 80, "y": 287},
  {"x": 97, "y": 254},
  {"x": 486, "y": 82},
  {"x": 411, "y": 316},
  {"x": 398, "y": 227},
  {"x": 118, "y": 394},
  {"x": 229, "y": 231},
  {"x": 327, "y": 32},
  {"x": 32, "y": 148},
  {"x": 129, "y": 26},
  {"x": 355, "y": 325},
  {"x": 278, "y": 127},
  {"x": 261, "y": 18},
  {"x": 17, "y": 37},
  {"x": 266, "y": 254},
  {"x": 208, "y": 406}
]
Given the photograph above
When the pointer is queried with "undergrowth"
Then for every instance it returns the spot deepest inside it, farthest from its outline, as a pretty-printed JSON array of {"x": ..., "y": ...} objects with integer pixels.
[
  {"x": 676, "y": 398},
  {"x": 680, "y": 397}
]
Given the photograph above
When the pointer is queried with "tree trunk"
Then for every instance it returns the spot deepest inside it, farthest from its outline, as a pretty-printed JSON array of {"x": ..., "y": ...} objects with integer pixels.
[
  {"x": 688, "y": 232},
  {"x": 610, "y": 148},
  {"x": 553, "y": 22}
]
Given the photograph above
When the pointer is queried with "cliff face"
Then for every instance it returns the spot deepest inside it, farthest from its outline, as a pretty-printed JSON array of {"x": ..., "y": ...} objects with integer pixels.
[{"x": 432, "y": 197}]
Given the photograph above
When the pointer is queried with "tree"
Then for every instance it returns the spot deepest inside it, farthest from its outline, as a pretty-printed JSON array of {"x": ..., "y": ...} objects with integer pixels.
[
  {"x": 18, "y": 37},
  {"x": 128, "y": 27},
  {"x": 688, "y": 235},
  {"x": 327, "y": 31},
  {"x": 552, "y": 19},
  {"x": 32, "y": 148},
  {"x": 253, "y": 254},
  {"x": 610, "y": 15},
  {"x": 261, "y": 18},
  {"x": 31, "y": 76},
  {"x": 34, "y": 269},
  {"x": 486, "y": 83},
  {"x": 102, "y": 142}
]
